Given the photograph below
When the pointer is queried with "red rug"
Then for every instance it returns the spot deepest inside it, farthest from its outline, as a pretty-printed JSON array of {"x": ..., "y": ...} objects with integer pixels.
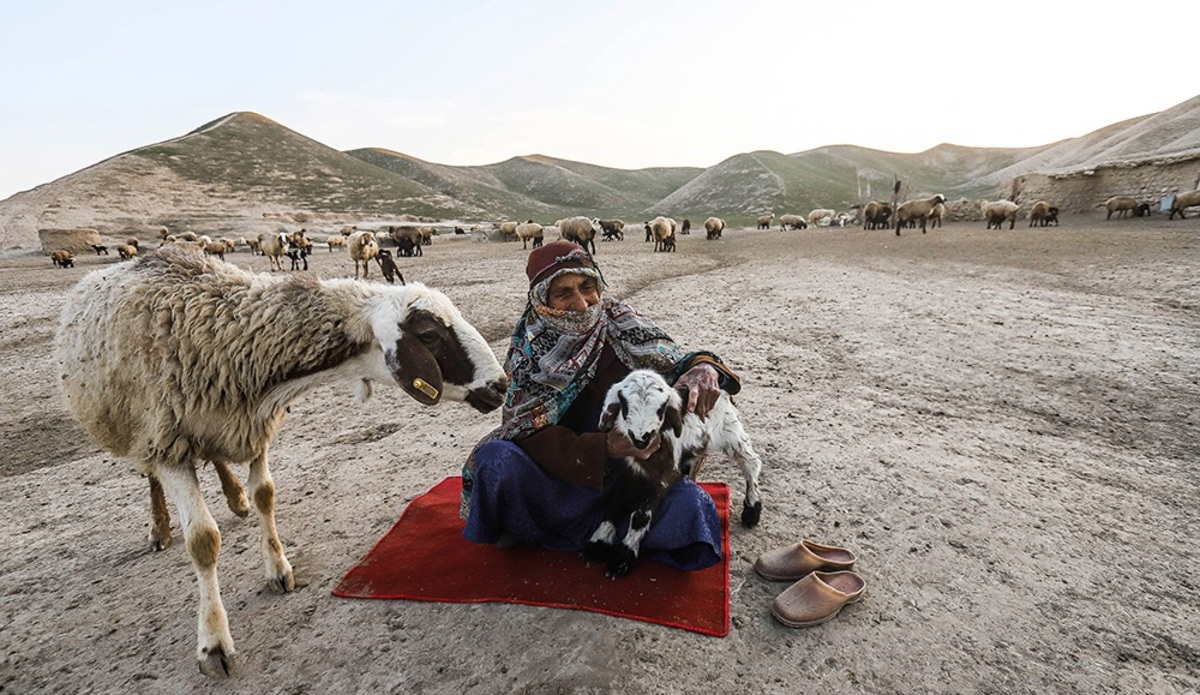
[{"x": 425, "y": 558}]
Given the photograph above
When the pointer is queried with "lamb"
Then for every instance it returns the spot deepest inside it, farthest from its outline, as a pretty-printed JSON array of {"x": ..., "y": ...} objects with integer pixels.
[
  {"x": 663, "y": 228},
  {"x": 177, "y": 358},
  {"x": 913, "y": 210},
  {"x": 126, "y": 252},
  {"x": 527, "y": 231},
  {"x": 255, "y": 247},
  {"x": 1182, "y": 202},
  {"x": 427, "y": 234},
  {"x": 273, "y": 246},
  {"x": 612, "y": 229},
  {"x": 821, "y": 217},
  {"x": 387, "y": 265},
  {"x": 1042, "y": 214},
  {"x": 215, "y": 248},
  {"x": 998, "y": 212},
  {"x": 298, "y": 254},
  {"x": 793, "y": 221},
  {"x": 876, "y": 215},
  {"x": 363, "y": 248},
  {"x": 713, "y": 227},
  {"x": 580, "y": 230},
  {"x": 62, "y": 258},
  {"x": 99, "y": 249},
  {"x": 1120, "y": 204},
  {"x": 336, "y": 240},
  {"x": 640, "y": 406},
  {"x": 408, "y": 241},
  {"x": 764, "y": 222}
]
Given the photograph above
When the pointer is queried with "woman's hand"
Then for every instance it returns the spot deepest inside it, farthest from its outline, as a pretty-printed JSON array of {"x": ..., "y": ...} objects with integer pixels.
[
  {"x": 619, "y": 446},
  {"x": 702, "y": 386}
]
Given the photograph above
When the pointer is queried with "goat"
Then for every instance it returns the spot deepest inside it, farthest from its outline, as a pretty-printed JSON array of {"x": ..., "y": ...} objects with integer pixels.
[{"x": 387, "y": 265}]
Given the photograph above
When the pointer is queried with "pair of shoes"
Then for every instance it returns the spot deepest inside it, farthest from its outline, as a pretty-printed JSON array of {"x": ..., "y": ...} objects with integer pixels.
[
  {"x": 817, "y": 598},
  {"x": 795, "y": 561}
]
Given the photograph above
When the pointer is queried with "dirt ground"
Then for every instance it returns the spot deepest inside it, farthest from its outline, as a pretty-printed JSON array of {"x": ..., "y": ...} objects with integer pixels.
[{"x": 1002, "y": 424}]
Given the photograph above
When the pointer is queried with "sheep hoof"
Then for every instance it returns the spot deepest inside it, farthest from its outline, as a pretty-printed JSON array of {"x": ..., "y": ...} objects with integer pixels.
[
  {"x": 215, "y": 663},
  {"x": 619, "y": 568},
  {"x": 239, "y": 505},
  {"x": 159, "y": 544},
  {"x": 282, "y": 583},
  {"x": 751, "y": 513}
]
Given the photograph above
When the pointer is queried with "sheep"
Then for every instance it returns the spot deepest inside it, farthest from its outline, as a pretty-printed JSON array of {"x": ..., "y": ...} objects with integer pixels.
[
  {"x": 640, "y": 406},
  {"x": 1142, "y": 210},
  {"x": 508, "y": 231},
  {"x": 126, "y": 252},
  {"x": 530, "y": 231},
  {"x": 298, "y": 255},
  {"x": 273, "y": 246},
  {"x": 1182, "y": 202},
  {"x": 793, "y": 221},
  {"x": 177, "y": 358},
  {"x": 686, "y": 227},
  {"x": 1042, "y": 214},
  {"x": 408, "y": 241},
  {"x": 580, "y": 230},
  {"x": 821, "y": 217},
  {"x": 998, "y": 212},
  {"x": 1120, "y": 204},
  {"x": 663, "y": 228},
  {"x": 713, "y": 227},
  {"x": 336, "y": 240},
  {"x": 99, "y": 249},
  {"x": 649, "y": 232},
  {"x": 387, "y": 265},
  {"x": 876, "y": 215},
  {"x": 62, "y": 258},
  {"x": 427, "y": 234},
  {"x": 363, "y": 248},
  {"x": 936, "y": 214},
  {"x": 215, "y": 248},
  {"x": 913, "y": 210},
  {"x": 255, "y": 247},
  {"x": 612, "y": 229}
]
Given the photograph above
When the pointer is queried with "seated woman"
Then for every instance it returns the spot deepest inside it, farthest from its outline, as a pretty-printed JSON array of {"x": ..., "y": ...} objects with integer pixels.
[{"x": 539, "y": 477}]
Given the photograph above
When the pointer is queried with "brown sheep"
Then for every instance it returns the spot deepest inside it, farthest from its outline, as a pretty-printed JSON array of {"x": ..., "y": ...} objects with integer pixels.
[
  {"x": 1120, "y": 204},
  {"x": 764, "y": 222},
  {"x": 408, "y": 241},
  {"x": 126, "y": 252},
  {"x": 62, "y": 259},
  {"x": 998, "y": 212},
  {"x": 877, "y": 215},
  {"x": 913, "y": 210},
  {"x": 1184, "y": 201},
  {"x": 713, "y": 227},
  {"x": 1042, "y": 214}
]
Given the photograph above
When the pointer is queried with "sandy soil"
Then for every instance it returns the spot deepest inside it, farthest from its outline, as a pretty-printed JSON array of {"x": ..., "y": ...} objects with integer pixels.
[{"x": 1003, "y": 425}]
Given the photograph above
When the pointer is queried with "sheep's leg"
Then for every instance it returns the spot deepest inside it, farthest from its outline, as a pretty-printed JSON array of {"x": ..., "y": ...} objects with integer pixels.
[
  {"x": 736, "y": 445},
  {"x": 278, "y": 570},
  {"x": 160, "y": 518},
  {"x": 214, "y": 644},
  {"x": 235, "y": 494},
  {"x": 599, "y": 546},
  {"x": 625, "y": 554}
]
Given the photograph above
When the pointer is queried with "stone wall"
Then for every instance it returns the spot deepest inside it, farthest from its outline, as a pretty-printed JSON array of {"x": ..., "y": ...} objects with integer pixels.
[{"x": 1087, "y": 189}]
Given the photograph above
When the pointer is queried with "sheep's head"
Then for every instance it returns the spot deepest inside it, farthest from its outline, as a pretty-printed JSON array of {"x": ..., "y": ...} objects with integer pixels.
[{"x": 640, "y": 406}]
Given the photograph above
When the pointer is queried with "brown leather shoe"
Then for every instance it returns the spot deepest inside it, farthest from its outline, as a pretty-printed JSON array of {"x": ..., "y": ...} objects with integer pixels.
[
  {"x": 817, "y": 598},
  {"x": 795, "y": 561}
]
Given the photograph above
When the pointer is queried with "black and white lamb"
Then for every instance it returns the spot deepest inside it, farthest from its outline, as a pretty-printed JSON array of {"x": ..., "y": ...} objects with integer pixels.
[
  {"x": 176, "y": 358},
  {"x": 640, "y": 406}
]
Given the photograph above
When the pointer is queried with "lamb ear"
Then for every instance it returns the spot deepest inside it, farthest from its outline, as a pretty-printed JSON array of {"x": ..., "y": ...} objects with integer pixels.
[
  {"x": 673, "y": 418},
  {"x": 415, "y": 369},
  {"x": 609, "y": 417}
]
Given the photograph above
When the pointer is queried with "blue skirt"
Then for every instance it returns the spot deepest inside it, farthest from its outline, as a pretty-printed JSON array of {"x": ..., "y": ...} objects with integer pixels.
[{"x": 511, "y": 492}]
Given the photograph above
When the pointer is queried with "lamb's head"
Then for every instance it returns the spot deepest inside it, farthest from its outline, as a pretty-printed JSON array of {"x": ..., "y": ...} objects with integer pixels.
[
  {"x": 641, "y": 405},
  {"x": 432, "y": 352}
]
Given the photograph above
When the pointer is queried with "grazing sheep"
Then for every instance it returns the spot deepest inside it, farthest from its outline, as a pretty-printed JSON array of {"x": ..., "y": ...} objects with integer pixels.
[
  {"x": 508, "y": 231},
  {"x": 126, "y": 252},
  {"x": 273, "y": 246},
  {"x": 663, "y": 228},
  {"x": 876, "y": 215},
  {"x": 336, "y": 240},
  {"x": 177, "y": 358},
  {"x": 1182, "y": 202},
  {"x": 62, "y": 259},
  {"x": 530, "y": 231},
  {"x": 133, "y": 241},
  {"x": 612, "y": 229},
  {"x": 1120, "y": 204},
  {"x": 686, "y": 228},
  {"x": 1042, "y": 214},
  {"x": 640, "y": 406},
  {"x": 764, "y": 222},
  {"x": 580, "y": 230},
  {"x": 363, "y": 248},
  {"x": 998, "y": 212},
  {"x": 99, "y": 249},
  {"x": 215, "y": 248},
  {"x": 821, "y": 217},
  {"x": 408, "y": 241},
  {"x": 713, "y": 227},
  {"x": 186, "y": 236},
  {"x": 793, "y": 221},
  {"x": 913, "y": 210},
  {"x": 387, "y": 265}
]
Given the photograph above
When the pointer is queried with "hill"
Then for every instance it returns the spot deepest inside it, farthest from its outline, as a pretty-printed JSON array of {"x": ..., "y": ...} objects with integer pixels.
[{"x": 225, "y": 175}]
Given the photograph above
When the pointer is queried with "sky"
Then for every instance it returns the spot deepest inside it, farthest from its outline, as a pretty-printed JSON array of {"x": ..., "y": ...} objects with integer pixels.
[{"x": 627, "y": 84}]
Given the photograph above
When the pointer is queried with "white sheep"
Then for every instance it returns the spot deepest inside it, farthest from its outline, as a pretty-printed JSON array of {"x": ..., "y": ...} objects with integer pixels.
[
  {"x": 1042, "y": 214},
  {"x": 713, "y": 227},
  {"x": 998, "y": 212},
  {"x": 640, "y": 406},
  {"x": 336, "y": 241},
  {"x": 273, "y": 245},
  {"x": 176, "y": 358},
  {"x": 580, "y": 230},
  {"x": 936, "y": 215},
  {"x": 530, "y": 231},
  {"x": 764, "y": 221},
  {"x": 1120, "y": 204},
  {"x": 662, "y": 229},
  {"x": 508, "y": 231},
  {"x": 1182, "y": 202},
  {"x": 821, "y": 217},
  {"x": 363, "y": 248},
  {"x": 793, "y": 221},
  {"x": 913, "y": 210}
]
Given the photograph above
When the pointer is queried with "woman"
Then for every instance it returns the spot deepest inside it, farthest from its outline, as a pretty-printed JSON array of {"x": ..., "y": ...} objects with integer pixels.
[{"x": 539, "y": 477}]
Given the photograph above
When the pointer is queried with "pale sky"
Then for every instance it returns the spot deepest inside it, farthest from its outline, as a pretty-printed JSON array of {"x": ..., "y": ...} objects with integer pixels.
[{"x": 626, "y": 84}]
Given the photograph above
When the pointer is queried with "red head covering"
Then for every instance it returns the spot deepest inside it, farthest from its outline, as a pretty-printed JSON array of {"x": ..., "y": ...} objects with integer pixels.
[{"x": 550, "y": 258}]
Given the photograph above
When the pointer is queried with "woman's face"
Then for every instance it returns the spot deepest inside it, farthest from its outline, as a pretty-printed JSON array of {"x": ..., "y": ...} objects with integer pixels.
[{"x": 573, "y": 292}]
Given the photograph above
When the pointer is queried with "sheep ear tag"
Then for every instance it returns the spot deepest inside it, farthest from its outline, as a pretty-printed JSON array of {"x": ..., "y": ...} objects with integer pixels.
[{"x": 415, "y": 370}]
